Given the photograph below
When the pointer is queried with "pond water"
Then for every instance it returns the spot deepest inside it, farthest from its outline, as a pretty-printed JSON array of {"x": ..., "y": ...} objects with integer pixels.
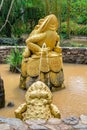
[{"x": 71, "y": 101}]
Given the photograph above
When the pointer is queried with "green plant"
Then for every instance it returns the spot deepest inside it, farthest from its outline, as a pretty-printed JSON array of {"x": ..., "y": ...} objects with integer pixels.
[
  {"x": 75, "y": 29},
  {"x": 82, "y": 30},
  {"x": 14, "y": 59}
]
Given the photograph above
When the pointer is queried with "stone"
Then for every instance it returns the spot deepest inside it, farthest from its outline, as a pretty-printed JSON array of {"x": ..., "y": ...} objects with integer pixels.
[
  {"x": 38, "y": 121},
  {"x": 83, "y": 119},
  {"x": 5, "y": 127},
  {"x": 80, "y": 126},
  {"x": 2, "y": 93},
  {"x": 71, "y": 120},
  {"x": 65, "y": 127},
  {"x": 57, "y": 78},
  {"x": 52, "y": 127},
  {"x": 10, "y": 104},
  {"x": 30, "y": 81},
  {"x": 54, "y": 79},
  {"x": 37, "y": 127},
  {"x": 14, "y": 123},
  {"x": 86, "y": 53},
  {"x": 54, "y": 121}
]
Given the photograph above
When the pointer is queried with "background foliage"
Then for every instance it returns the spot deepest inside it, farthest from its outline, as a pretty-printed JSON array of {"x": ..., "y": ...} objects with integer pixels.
[
  {"x": 72, "y": 16},
  {"x": 15, "y": 59}
]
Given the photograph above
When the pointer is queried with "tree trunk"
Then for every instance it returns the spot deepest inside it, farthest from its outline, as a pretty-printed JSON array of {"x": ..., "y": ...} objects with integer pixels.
[
  {"x": 68, "y": 18},
  {"x": 59, "y": 15},
  {"x": 47, "y": 7},
  {"x": 8, "y": 30},
  {"x": 56, "y": 8}
]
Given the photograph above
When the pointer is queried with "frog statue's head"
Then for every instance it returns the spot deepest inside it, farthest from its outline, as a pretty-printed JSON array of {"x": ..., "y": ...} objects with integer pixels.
[
  {"x": 49, "y": 22},
  {"x": 38, "y": 91}
]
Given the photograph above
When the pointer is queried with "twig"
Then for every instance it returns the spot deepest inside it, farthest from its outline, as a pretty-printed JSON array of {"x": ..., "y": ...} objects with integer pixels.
[
  {"x": 7, "y": 16},
  {"x": 1, "y": 4}
]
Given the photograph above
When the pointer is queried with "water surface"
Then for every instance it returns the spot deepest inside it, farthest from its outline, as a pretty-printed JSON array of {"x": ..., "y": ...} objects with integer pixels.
[{"x": 71, "y": 101}]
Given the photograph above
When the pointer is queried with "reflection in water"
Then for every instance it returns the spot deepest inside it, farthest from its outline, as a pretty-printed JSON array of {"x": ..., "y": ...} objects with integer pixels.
[{"x": 71, "y": 101}]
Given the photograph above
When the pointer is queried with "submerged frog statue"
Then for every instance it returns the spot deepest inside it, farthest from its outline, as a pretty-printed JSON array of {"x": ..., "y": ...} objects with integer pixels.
[{"x": 38, "y": 104}]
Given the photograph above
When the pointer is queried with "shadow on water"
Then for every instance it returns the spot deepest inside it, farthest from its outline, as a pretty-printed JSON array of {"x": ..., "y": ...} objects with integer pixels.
[{"x": 71, "y": 101}]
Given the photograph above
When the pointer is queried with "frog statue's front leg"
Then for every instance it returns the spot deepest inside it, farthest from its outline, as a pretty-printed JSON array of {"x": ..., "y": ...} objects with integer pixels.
[
  {"x": 54, "y": 111},
  {"x": 21, "y": 109},
  {"x": 26, "y": 53},
  {"x": 32, "y": 42},
  {"x": 57, "y": 48}
]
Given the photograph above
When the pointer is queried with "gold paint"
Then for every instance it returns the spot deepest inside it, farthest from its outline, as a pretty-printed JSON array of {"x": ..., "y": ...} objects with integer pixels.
[
  {"x": 44, "y": 32},
  {"x": 38, "y": 103}
]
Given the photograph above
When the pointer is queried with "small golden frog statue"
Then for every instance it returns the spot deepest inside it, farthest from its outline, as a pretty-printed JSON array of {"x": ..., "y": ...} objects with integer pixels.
[{"x": 38, "y": 104}]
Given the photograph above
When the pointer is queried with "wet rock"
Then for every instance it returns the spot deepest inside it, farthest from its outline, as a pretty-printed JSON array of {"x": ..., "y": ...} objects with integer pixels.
[
  {"x": 37, "y": 127},
  {"x": 17, "y": 124},
  {"x": 38, "y": 121},
  {"x": 80, "y": 126},
  {"x": 83, "y": 119},
  {"x": 10, "y": 104},
  {"x": 52, "y": 127},
  {"x": 65, "y": 127},
  {"x": 2, "y": 93},
  {"x": 54, "y": 121},
  {"x": 5, "y": 127},
  {"x": 71, "y": 120}
]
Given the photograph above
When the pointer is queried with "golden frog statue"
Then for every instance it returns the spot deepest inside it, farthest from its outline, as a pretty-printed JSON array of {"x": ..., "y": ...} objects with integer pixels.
[
  {"x": 38, "y": 103},
  {"x": 44, "y": 32}
]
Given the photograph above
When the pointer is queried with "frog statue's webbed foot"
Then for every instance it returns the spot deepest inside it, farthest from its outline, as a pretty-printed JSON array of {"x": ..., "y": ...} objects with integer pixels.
[
  {"x": 21, "y": 109},
  {"x": 55, "y": 112},
  {"x": 26, "y": 53},
  {"x": 58, "y": 49}
]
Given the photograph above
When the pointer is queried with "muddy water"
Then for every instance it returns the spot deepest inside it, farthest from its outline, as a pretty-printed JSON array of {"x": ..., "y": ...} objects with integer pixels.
[
  {"x": 12, "y": 91},
  {"x": 71, "y": 101}
]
